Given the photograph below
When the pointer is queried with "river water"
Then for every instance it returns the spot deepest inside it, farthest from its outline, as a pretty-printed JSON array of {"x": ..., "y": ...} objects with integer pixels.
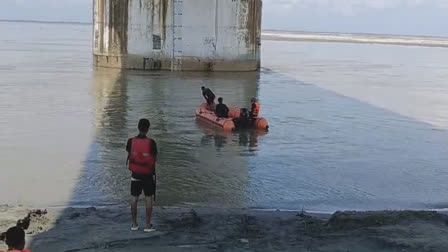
[{"x": 352, "y": 126}]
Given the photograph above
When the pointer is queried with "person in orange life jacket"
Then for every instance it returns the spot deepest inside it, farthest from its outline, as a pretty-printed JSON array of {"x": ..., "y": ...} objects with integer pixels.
[
  {"x": 15, "y": 239},
  {"x": 221, "y": 109},
  {"x": 142, "y": 157},
  {"x": 255, "y": 109}
]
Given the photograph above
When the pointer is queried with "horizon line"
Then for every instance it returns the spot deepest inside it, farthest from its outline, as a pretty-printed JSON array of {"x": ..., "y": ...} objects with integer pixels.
[
  {"x": 263, "y": 30},
  {"x": 43, "y": 21}
]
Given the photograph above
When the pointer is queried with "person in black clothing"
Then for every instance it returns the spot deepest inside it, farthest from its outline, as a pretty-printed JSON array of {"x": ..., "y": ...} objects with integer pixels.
[
  {"x": 243, "y": 121},
  {"x": 143, "y": 182},
  {"x": 15, "y": 239},
  {"x": 221, "y": 109},
  {"x": 208, "y": 95}
]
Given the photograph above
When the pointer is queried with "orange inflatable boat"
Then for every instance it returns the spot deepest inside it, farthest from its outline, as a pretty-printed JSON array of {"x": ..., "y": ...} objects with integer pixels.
[
  {"x": 260, "y": 123},
  {"x": 205, "y": 114}
]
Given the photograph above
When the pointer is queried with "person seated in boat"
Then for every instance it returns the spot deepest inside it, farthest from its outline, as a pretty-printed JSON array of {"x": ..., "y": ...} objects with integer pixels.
[
  {"x": 208, "y": 95},
  {"x": 243, "y": 122},
  {"x": 221, "y": 109},
  {"x": 255, "y": 109},
  {"x": 15, "y": 240}
]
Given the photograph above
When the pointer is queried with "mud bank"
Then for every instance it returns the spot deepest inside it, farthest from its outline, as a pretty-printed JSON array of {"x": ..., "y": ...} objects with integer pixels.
[{"x": 205, "y": 229}]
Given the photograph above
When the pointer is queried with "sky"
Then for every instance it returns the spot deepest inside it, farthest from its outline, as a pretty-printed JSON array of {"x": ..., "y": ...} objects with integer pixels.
[{"x": 409, "y": 17}]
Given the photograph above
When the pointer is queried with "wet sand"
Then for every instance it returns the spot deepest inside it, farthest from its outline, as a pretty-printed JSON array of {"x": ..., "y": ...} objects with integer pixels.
[{"x": 208, "y": 229}]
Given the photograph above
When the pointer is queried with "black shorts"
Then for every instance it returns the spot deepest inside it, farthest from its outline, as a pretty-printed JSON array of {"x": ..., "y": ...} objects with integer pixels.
[{"x": 147, "y": 186}]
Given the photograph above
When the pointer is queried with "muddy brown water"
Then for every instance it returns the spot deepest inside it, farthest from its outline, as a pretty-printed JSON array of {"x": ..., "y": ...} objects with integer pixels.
[{"x": 352, "y": 126}]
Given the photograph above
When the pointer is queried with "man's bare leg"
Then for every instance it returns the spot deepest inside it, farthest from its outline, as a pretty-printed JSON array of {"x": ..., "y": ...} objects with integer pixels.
[
  {"x": 134, "y": 201},
  {"x": 148, "y": 211}
]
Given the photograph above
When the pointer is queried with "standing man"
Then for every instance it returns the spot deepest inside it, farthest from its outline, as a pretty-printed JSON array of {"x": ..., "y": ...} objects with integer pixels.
[
  {"x": 142, "y": 157},
  {"x": 208, "y": 95}
]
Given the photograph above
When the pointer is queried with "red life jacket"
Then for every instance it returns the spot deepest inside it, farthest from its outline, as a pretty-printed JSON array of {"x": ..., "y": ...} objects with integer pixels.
[
  {"x": 256, "y": 109},
  {"x": 141, "y": 160}
]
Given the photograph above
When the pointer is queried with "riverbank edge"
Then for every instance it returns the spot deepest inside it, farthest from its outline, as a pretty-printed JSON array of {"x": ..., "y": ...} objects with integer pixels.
[{"x": 215, "y": 229}]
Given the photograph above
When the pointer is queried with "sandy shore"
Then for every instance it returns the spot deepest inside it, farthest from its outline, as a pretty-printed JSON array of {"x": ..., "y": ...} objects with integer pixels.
[
  {"x": 356, "y": 38},
  {"x": 206, "y": 229}
]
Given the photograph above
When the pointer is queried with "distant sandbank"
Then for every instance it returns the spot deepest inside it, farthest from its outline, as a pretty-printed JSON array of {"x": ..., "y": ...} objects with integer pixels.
[{"x": 355, "y": 38}]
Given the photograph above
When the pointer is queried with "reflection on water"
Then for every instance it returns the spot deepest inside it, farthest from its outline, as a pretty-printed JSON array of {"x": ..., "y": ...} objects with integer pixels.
[
  {"x": 324, "y": 151},
  {"x": 190, "y": 170},
  {"x": 220, "y": 138}
]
